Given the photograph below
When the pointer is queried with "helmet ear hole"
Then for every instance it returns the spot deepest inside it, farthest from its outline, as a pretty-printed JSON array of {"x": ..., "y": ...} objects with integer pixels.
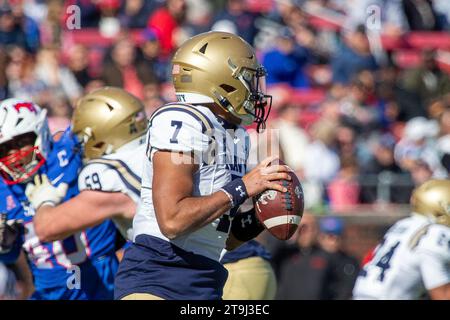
[{"x": 227, "y": 88}]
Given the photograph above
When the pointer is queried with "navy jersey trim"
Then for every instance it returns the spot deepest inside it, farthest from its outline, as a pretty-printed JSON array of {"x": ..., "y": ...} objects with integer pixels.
[
  {"x": 128, "y": 177},
  {"x": 186, "y": 108}
]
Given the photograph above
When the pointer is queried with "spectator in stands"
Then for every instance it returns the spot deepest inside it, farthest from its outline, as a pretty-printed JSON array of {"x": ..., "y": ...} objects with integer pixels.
[
  {"x": 89, "y": 12},
  {"x": 293, "y": 139},
  {"x": 306, "y": 269},
  {"x": 78, "y": 64},
  {"x": 244, "y": 21},
  {"x": 150, "y": 59},
  {"x": 281, "y": 11},
  {"x": 135, "y": 13},
  {"x": 59, "y": 114},
  {"x": 286, "y": 62},
  {"x": 23, "y": 82},
  {"x": 58, "y": 78},
  {"x": 383, "y": 163},
  {"x": 323, "y": 147},
  {"x": 426, "y": 81},
  {"x": 51, "y": 26},
  {"x": 357, "y": 110},
  {"x": 385, "y": 16},
  {"x": 28, "y": 25},
  {"x": 11, "y": 33},
  {"x": 152, "y": 97},
  {"x": 346, "y": 267},
  {"x": 109, "y": 24},
  {"x": 396, "y": 103},
  {"x": 3, "y": 77},
  {"x": 120, "y": 69},
  {"x": 349, "y": 145},
  {"x": 94, "y": 84},
  {"x": 167, "y": 21},
  {"x": 304, "y": 239},
  {"x": 353, "y": 56},
  {"x": 421, "y": 15},
  {"x": 443, "y": 143},
  {"x": 199, "y": 16},
  {"x": 417, "y": 152},
  {"x": 343, "y": 191}
]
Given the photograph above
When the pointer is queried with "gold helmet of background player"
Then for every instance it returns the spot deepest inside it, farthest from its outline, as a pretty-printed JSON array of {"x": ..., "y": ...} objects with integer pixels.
[
  {"x": 219, "y": 67},
  {"x": 432, "y": 199},
  {"x": 106, "y": 119}
]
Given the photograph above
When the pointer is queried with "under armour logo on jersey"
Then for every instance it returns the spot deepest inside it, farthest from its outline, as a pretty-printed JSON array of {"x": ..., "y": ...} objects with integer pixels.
[
  {"x": 241, "y": 192},
  {"x": 245, "y": 221},
  {"x": 26, "y": 105}
]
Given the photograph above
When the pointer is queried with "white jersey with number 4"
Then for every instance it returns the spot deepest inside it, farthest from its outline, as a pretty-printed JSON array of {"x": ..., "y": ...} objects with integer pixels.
[
  {"x": 221, "y": 154},
  {"x": 413, "y": 257},
  {"x": 117, "y": 172}
]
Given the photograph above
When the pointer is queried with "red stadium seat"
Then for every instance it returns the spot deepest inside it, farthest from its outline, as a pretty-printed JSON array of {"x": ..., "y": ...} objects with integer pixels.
[
  {"x": 323, "y": 24},
  {"x": 429, "y": 40},
  {"x": 262, "y": 6},
  {"x": 392, "y": 42},
  {"x": 92, "y": 37},
  {"x": 307, "y": 97}
]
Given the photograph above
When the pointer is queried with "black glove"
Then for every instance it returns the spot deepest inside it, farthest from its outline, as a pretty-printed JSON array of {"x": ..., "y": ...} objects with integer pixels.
[
  {"x": 246, "y": 226},
  {"x": 10, "y": 231}
]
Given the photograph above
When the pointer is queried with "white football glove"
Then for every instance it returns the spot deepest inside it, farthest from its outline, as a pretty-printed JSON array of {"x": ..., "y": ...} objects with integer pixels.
[{"x": 43, "y": 192}]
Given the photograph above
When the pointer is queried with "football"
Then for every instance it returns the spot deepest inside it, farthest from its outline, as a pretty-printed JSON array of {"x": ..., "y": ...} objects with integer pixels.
[{"x": 280, "y": 213}]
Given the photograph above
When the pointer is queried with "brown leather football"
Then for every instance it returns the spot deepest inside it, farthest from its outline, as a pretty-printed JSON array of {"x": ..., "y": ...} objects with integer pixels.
[{"x": 280, "y": 213}]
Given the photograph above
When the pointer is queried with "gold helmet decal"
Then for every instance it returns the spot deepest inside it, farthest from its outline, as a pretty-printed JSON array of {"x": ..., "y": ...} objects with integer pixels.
[
  {"x": 219, "y": 67},
  {"x": 432, "y": 199},
  {"x": 106, "y": 119}
]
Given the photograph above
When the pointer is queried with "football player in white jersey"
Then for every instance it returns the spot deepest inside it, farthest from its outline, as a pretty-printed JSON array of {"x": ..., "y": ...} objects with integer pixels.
[
  {"x": 110, "y": 124},
  {"x": 194, "y": 177},
  {"x": 414, "y": 257}
]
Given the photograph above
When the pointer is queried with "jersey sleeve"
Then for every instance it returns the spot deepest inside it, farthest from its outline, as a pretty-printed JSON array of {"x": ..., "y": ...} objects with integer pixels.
[
  {"x": 64, "y": 160},
  {"x": 434, "y": 257},
  {"x": 109, "y": 177},
  {"x": 179, "y": 130}
]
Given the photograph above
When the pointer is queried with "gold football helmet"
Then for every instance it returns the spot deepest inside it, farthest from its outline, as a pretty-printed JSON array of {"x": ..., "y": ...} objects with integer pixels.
[
  {"x": 106, "y": 119},
  {"x": 221, "y": 68},
  {"x": 432, "y": 199}
]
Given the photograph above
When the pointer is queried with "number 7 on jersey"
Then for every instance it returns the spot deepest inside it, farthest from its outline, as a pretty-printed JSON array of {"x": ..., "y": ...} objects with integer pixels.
[{"x": 177, "y": 125}]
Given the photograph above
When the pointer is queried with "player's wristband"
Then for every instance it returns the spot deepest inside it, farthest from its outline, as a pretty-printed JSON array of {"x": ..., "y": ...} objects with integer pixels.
[
  {"x": 49, "y": 203},
  {"x": 236, "y": 191}
]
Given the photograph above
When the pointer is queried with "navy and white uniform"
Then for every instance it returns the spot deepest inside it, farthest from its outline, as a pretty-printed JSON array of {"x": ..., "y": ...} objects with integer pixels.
[
  {"x": 413, "y": 257},
  {"x": 186, "y": 267},
  {"x": 117, "y": 172}
]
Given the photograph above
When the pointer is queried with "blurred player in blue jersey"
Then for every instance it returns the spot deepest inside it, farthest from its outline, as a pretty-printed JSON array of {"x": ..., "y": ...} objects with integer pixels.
[
  {"x": 109, "y": 183},
  {"x": 81, "y": 266}
]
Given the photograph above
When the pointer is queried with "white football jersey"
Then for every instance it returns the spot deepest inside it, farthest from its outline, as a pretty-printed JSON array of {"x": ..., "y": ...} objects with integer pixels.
[
  {"x": 221, "y": 154},
  {"x": 413, "y": 257},
  {"x": 117, "y": 172}
]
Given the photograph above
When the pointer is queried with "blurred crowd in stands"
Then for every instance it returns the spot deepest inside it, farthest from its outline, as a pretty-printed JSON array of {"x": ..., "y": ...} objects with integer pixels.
[{"x": 362, "y": 85}]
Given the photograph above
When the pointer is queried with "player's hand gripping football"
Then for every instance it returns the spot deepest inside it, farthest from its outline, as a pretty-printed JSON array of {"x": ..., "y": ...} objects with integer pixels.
[
  {"x": 262, "y": 177},
  {"x": 44, "y": 192}
]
